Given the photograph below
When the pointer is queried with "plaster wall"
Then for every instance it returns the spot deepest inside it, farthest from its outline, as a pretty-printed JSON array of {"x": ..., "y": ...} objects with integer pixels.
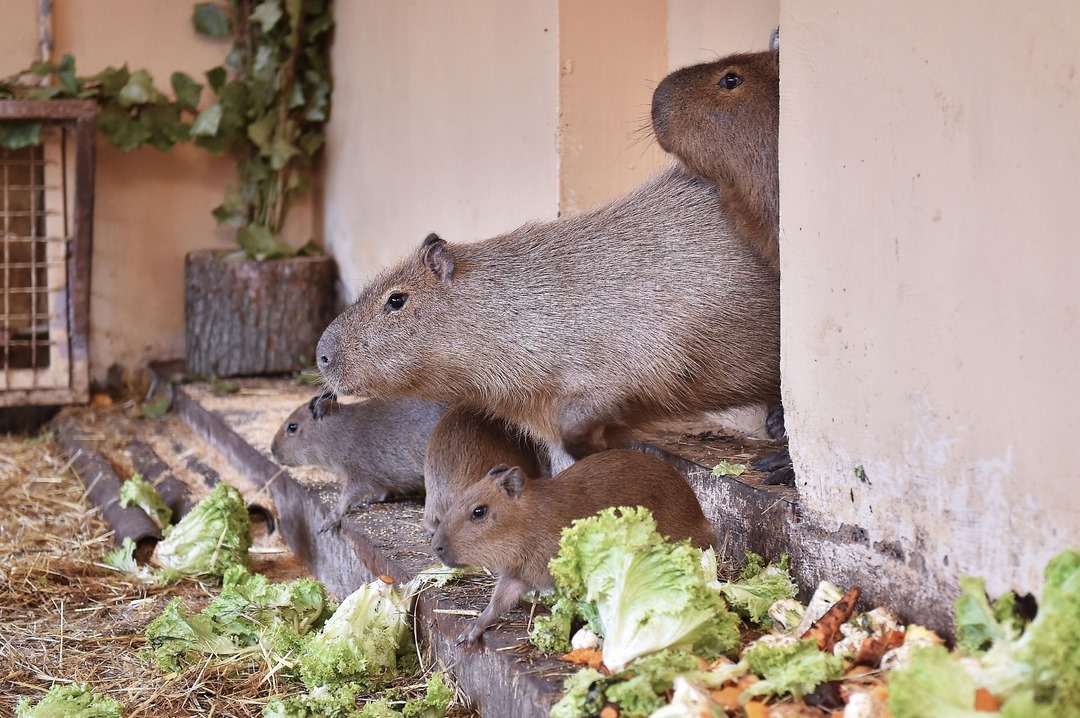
[
  {"x": 706, "y": 31},
  {"x": 444, "y": 120},
  {"x": 929, "y": 273},
  {"x": 612, "y": 54}
]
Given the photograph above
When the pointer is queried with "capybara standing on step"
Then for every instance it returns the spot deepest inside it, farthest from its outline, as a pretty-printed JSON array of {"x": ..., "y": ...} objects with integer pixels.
[
  {"x": 375, "y": 447},
  {"x": 580, "y": 329},
  {"x": 510, "y": 523},
  {"x": 721, "y": 120}
]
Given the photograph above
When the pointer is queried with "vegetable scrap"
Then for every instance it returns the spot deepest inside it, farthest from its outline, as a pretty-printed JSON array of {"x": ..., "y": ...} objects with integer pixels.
[
  {"x": 71, "y": 701},
  {"x": 137, "y": 491},
  {"x": 822, "y": 659},
  {"x": 211, "y": 538}
]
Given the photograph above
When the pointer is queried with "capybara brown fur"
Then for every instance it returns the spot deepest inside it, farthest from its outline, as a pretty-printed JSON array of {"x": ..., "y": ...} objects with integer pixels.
[
  {"x": 721, "y": 120},
  {"x": 581, "y": 329},
  {"x": 464, "y": 445},
  {"x": 375, "y": 447},
  {"x": 510, "y": 523}
]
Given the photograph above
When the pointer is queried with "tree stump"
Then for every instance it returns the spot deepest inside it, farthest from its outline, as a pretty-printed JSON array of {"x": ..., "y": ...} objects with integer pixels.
[{"x": 248, "y": 317}]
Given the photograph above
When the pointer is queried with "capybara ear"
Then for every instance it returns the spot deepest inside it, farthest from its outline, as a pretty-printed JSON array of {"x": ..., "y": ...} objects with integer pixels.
[
  {"x": 511, "y": 479},
  {"x": 438, "y": 258},
  {"x": 321, "y": 405}
]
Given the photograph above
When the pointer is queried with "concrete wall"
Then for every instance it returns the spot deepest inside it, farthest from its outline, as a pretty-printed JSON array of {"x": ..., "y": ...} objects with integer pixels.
[
  {"x": 444, "y": 120},
  {"x": 929, "y": 178}
]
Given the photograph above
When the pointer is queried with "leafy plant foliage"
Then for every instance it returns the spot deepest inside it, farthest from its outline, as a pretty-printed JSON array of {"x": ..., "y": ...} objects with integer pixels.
[{"x": 271, "y": 101}]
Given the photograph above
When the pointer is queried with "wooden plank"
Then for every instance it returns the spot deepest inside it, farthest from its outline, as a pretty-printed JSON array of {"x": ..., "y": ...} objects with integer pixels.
[{"x": 103, "y": 486}]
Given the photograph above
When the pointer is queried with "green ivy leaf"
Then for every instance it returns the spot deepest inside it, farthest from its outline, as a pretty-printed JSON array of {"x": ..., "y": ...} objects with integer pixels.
[
  {"x": 20, "y": 133},
  {"x": 266, "y": 65},
  {"x": 121, "y": 129},
  {"x": 187, "y": 91},
  {"x": 164, "y": 124},
  {"x": 211, "y": 20},
  {"x": 319, "y": 25},
  {"x": 208, "y": 121},
  {"x": 138, "y": 91},
  {"x": 233, "y": 211},
  {"x": 281, "y": 151},
  {"x": 260, "y": 243},
  {"x": 216, "y": 78},
  {"x": 44, "y": 93},
  {"x": 319, "y": 102},
  {"x": 112, "y": 80},
  {"x": 65, "y": 73},
  {"x": 42, "y": 68},
  {"x": 311, "y": 143},
  {"x": 267, "y": 14},
  {"x": 260, "y": 132}
]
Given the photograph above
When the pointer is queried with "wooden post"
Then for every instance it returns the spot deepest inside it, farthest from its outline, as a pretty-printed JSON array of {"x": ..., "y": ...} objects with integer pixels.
[{"x": 247, "y": 317}]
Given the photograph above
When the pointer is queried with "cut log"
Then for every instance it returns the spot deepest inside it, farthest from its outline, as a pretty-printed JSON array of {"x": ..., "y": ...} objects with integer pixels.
[{"x": 246, "y": 317}]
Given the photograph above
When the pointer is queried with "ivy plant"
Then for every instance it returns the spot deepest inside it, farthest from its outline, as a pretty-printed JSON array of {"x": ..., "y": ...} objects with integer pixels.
[
  {"x": 271, "y": 102},
  {"x": 273, "y": 98},
  {"x": 133, "y": 111}
]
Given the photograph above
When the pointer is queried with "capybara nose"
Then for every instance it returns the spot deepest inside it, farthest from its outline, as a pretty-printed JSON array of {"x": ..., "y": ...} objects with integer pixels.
[
  {"x": 324, "y": 352},
  {"x": 661, "y": 105}
]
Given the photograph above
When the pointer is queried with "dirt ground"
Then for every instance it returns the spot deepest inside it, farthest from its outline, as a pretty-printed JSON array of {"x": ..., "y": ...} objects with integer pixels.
[{"x": 65, "y": 617}]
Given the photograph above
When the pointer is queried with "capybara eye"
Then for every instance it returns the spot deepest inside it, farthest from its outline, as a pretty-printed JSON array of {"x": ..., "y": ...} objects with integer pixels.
[
  {"x": 479, "y": 512},
  {"x": 291, "y": 428},
  {"x": 395, "y": 301},
  {"x": 730, "y": 81}
]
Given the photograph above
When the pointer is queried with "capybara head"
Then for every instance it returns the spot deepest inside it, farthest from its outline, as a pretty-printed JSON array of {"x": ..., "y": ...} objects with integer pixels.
[
  {"x": 721, "y": 118},
  {"x": 371, "y": 349},
  {"x": 301, "y": 440},
  {"x": 485, "y": 525}
]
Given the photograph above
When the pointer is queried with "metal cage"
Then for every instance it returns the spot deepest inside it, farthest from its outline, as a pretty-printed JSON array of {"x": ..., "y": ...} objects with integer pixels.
[{"x": 46, "y": 213}]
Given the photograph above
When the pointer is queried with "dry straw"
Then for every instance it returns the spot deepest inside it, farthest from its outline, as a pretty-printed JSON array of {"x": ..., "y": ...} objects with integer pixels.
[{"x": 67, "y": 618}]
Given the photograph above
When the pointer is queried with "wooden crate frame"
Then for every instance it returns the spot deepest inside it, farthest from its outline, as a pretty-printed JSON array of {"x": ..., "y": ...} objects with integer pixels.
[{"x": 77, "y": 120}]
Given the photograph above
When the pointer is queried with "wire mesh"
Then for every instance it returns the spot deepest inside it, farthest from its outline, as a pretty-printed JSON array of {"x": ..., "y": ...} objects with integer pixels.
[{"x": 46, "y": 210}]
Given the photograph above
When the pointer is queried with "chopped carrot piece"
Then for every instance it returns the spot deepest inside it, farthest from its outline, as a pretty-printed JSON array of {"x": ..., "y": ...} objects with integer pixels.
[
  {"x": 727, "y": 698},
  {"x": 609, "y": 711},
  {"x": 756, "y": 709},
  {"x": 874, "y": 647},
  {"x": 985, "y": 701},
  {"x": 581, "y": 656},
  {"x": 827, "y": 628}
]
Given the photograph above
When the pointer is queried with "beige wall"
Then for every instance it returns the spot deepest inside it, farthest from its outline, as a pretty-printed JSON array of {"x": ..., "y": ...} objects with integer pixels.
[
  {"x": 930, "y": 268},
  {"x": 444, "y": 120},
  {"x": 612, "y": 53},
  {"x": 151, "y": 207},
  {"x": 472, "y": 118},
  {"x": 705, "y": 31}
]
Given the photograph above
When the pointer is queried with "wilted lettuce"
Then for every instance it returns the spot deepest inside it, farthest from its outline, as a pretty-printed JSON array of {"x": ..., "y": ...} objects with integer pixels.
[
  {"x": 70, "y": 701},
  {"x": 252, "y": 617},
  {"x": 137, "y": 491},
  {"x": 789, "y": 668},
  {"x": 758, "y": 587},
  {"x": 639, "y": 591},
  {"x": 212, "y": 537},
  {"x": 638, "y": 690},
  {"x": 362, "y": 640}
]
